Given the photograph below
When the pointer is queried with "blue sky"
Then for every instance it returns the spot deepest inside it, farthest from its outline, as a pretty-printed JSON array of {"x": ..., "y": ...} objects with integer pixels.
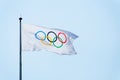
[{"x": 96, "y": 22}]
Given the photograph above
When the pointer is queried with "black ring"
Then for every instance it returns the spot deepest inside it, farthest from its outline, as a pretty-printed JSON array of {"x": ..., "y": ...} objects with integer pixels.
[{"x": 53, "y": 38}]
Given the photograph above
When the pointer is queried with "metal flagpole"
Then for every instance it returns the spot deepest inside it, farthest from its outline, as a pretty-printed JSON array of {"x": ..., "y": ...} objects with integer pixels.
[{"x": 20, "y": 53}]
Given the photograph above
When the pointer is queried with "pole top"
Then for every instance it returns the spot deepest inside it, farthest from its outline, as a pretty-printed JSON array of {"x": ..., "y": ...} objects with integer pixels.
[{"x": 20, "y": 18}]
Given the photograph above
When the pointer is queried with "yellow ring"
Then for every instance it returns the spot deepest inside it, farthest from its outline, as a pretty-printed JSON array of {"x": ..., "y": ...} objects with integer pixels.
[{"x": 46, "y": 43}]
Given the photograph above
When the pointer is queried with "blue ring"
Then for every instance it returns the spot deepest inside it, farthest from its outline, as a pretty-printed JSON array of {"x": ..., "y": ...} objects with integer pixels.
[{"x": 38, "y": 37}]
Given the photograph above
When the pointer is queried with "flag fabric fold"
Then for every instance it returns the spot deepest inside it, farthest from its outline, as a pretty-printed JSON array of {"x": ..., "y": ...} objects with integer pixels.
[{"x": 36, "y": 38}]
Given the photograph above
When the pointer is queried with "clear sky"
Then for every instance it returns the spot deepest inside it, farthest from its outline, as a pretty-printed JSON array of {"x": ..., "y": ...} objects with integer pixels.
[{"x": 96, "y": 22}]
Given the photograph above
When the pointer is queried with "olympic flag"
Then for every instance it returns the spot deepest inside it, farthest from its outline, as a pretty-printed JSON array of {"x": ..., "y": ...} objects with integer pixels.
[{"x": 36, "y": 38}]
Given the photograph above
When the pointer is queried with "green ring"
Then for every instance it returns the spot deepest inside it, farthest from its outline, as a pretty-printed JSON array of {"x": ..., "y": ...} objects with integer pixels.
[{"x": 56, "y": 45}]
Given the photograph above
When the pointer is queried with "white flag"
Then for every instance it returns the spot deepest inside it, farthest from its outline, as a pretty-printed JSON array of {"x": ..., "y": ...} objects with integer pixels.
[{"x": 36, "y": 38}]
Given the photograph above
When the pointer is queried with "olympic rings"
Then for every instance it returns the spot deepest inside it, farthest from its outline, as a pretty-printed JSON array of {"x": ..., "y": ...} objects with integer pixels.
[{"x": 51, "y": 38}]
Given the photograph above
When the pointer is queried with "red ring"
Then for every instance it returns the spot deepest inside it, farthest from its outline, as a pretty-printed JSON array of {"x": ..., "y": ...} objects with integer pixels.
[{"x": 64, "y": 35}]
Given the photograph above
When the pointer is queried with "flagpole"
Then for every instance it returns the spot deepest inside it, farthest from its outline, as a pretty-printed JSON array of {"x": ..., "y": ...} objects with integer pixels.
[{"x": 20, "y": 52}]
